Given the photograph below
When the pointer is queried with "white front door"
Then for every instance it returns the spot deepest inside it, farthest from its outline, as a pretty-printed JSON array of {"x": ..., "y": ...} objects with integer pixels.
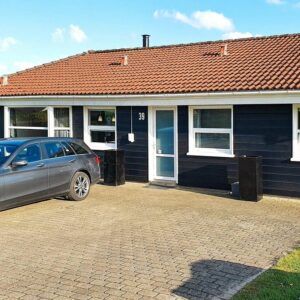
[{"x": 165, "y": 144}]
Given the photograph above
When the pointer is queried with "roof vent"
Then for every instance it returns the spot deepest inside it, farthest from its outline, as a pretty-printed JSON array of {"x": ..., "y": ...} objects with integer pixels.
[
  {"x": 146, "y": 40},
  {"x": 224, "y": 49},
  {"x": 125, "y": 60},
  {"x": 5, "y": 80}
]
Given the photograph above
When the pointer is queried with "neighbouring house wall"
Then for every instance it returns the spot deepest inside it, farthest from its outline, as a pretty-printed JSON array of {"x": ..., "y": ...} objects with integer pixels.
[
  {"x": 198, "y": 171},
  {"x": 136, "y": 154},
  {"x": 1, "y": 121}
]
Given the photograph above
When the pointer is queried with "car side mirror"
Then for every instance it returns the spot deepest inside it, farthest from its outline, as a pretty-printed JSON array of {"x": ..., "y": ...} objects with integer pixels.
[{"x": 19, "y": 163}]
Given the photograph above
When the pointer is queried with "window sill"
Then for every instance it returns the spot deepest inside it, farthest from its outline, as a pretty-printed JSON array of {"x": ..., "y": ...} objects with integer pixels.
[
  {"x": 207, "y": 154},
  {"x": 102, "y": 146},
  {"x": 295, "y": 159}
]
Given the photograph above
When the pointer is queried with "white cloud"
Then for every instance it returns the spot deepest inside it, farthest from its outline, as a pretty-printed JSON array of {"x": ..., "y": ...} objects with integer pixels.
[
  {"x": 6, "y": 43},
  {"x": 58, "y": 34},
  {"x": 238, "y": 35},
  {"x": 77, "y": 34},
  {"x": 22, "y": 65},
  {"x": 276, "y": 2},
  {"x": 199, "y": 19}
]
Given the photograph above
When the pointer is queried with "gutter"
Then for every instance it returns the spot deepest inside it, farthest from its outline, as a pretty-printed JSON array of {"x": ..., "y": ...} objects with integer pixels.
[{"x": 192, "y": 95}]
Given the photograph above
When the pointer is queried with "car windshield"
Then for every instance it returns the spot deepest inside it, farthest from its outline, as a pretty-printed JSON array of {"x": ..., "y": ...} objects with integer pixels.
[{"x": 6, "y": 151}]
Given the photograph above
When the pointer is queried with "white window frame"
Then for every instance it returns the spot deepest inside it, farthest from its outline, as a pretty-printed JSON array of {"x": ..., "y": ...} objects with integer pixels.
[
  {"x": 88, "y": 128},
  {"x": 51, "y": 118},
  {"x": 209, "y": 151},
  {"x": 296, "y": 144},
  {"x": 50, "y": 114}
]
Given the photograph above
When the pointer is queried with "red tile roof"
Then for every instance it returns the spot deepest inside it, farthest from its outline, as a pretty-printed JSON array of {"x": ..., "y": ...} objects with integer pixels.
[{"x": 267, "y": 63}]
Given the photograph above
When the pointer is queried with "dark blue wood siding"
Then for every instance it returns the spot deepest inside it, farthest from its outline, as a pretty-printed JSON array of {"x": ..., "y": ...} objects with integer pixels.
[
  {"x": 266, "y": 130},
  {"x": 197, "y": 171},
  {"x": 77, "y": 116},
  {"x": 136, "y": 154},
  {"x": 1, "y": 121},
  {"x": 259, "y": 130}
]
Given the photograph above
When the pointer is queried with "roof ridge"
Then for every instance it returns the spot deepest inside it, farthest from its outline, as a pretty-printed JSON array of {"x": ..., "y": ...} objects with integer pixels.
[{"x": 195, "y": 43}]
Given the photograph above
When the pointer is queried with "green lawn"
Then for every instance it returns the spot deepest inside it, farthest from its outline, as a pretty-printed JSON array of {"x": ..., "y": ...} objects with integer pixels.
[{"x": 282, "y": 282}]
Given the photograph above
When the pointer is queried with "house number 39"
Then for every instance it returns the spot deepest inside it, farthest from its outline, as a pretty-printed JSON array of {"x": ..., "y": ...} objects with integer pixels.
[{"x": 141, "y": 116}]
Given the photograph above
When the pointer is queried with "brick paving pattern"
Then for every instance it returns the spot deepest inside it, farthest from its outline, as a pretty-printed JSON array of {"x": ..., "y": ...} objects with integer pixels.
[{"x": 140, "y": 242}]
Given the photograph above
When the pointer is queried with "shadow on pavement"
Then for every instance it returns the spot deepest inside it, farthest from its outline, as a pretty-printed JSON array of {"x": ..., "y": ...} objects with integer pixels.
[{"x": 215, "y": 279}]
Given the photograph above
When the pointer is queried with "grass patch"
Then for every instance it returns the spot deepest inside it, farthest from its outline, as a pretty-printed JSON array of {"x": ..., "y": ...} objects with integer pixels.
[{"x": 282, "y": 282}]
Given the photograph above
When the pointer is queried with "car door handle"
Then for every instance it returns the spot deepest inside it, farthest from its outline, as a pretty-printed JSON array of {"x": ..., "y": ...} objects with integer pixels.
[
  {"x": 40, "y": 165},
  {"x": 71, "y": 161}
]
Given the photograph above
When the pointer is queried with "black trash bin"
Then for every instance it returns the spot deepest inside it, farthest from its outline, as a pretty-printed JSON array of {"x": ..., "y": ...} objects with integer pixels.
[
  {"x": 250, "y": 178},
  {"x": 114, "y": 167}
]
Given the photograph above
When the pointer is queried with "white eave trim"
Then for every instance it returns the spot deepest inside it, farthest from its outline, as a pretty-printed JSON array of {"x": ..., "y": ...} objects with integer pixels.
[{"x": 221, "y": 98}]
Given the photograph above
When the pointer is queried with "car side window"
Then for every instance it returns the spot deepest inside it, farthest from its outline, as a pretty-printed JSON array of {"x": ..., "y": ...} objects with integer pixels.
[
  {"x": 68, "y": 149},
  {"x": 54, "y": 149},
  {"x": 78, "y": 149},
  {"x": 30, "y": 153}
]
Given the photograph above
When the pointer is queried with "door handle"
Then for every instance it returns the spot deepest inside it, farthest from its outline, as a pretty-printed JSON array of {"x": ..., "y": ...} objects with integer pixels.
[
  {"x": 40, "y": 165},
  {"x": 71, "y": 161}
]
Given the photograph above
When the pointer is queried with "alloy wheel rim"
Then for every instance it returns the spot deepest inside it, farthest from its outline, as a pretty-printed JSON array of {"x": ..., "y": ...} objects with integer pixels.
[{"x": 81, "y": 186}]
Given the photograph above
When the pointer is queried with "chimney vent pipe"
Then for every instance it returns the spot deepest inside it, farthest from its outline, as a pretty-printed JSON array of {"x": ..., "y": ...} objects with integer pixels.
[
  {"x": 224, "y": 50},
  {"x": 146, "y": 40},
  {"x": 5, "y": 80}
]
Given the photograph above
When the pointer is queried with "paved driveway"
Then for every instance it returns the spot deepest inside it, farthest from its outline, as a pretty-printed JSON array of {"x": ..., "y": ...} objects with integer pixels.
[{"x": 136, "y": 242}]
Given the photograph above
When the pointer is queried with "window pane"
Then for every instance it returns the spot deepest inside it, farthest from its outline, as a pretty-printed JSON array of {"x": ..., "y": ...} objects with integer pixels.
[
  {"x": 28, "y": 133},
  {"x": 105, "y": 117},
  {"x": 165, "y": 166},
  {"x": 29, "y": 116},
  {"x": 6, "y": 151},
  {"x": 165, "y": 132},
  {"x": 61, "y": 117},
  {"x": 62, "y": 133},
  {"x": 212, "y": 118},
  {"x": 212, "y": 140},
  {"x": 68, "y": 149},
  {"x": 78, "y": 149},
  {"x": 102, "y": 136},
  {"x": 31, "y": 153},
  {"x": 54, "y": 149}
]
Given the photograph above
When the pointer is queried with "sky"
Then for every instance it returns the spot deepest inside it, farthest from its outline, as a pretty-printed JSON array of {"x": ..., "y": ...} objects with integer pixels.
[{"x": 33, "y": 32}]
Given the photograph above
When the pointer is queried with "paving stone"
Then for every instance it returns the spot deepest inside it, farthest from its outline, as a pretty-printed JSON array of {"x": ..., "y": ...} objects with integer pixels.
[{"x": 135, "y": 242}]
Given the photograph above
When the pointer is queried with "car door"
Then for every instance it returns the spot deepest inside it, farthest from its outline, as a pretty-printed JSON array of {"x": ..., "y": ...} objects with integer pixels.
[
  {"x": 60, "y": 162},
  {"x": 28, "y": 182}
]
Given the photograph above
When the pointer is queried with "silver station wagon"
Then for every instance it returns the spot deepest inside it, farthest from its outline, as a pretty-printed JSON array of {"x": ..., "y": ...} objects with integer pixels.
[{"x": 34, "y": 169}]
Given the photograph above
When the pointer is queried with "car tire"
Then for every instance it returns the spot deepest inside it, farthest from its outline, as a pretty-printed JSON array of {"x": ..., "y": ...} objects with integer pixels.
[{"x": 80, "y": 187}]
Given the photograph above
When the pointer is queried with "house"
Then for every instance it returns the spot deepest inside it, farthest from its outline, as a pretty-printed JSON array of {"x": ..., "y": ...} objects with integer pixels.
[{"x": 192, "y": 108}]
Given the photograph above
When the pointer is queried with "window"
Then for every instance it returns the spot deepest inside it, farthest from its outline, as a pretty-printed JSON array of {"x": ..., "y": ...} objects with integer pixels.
[
  {"x": 28, "y": 122},
  {"x": 54, "y": 150},
  {"x": 6, "y": 151},
  {"x": 30, "y": 153},
  {"x": 100, "y": 127},
  {"x": 38, "y": 121},
  {"x": 68, "y": 149},
  {"x": 296, "y": 133},
  {"x": 78, "y": 149},
  {"x": 210, "y": 131},
  {"x": 62, "y": 122}
]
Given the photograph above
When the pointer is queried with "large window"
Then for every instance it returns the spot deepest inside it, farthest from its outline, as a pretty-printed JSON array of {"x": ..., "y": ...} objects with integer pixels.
[
  {"x": 100, "y": 128},
  {"x": 28, "y": 122},
  {"x": 210, "y": 132},
  {"x": 38, "y": 122},
  {"x": 296, "y": 133}
]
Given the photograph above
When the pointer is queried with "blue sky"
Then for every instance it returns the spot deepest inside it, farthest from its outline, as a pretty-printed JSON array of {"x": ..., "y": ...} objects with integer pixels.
[{"x": 37, "y": 31}]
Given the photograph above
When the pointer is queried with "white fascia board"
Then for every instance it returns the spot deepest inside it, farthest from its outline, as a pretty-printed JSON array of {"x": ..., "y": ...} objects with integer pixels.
[{"x": 230, "y": 98}]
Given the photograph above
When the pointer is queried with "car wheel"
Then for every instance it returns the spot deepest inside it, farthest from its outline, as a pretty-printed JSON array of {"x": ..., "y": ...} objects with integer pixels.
[{"x": 80, "y": 186}]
